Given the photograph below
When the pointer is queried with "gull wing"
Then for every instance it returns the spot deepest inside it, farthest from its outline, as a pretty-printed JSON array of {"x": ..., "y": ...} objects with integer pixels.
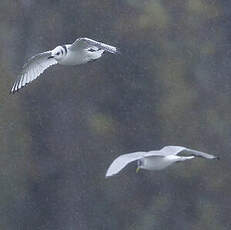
[
  {"x": 175, "y": 150},
  {"x": 165, "y": 151},
  {"x": 200, "y": 154},
  {"x": 32, "y": 69},
  {"x": 86, "y": 43},
  {"x": 120, "y": 162}
]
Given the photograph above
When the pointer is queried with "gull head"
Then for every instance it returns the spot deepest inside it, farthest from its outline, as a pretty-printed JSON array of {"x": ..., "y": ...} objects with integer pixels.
[{"x": 58, "y": 53}]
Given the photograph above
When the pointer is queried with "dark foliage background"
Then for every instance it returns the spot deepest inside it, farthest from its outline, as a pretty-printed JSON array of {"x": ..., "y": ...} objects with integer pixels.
[{"x": 170, "y": 86}]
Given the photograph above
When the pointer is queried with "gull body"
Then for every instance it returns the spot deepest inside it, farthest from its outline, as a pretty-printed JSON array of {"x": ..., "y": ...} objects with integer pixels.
[
  {"x": 72, "y": 57},
  {"x": 159, "y": 163},
  {"x": 157, "y": 159},
  {"x": 81, "y": 51}
]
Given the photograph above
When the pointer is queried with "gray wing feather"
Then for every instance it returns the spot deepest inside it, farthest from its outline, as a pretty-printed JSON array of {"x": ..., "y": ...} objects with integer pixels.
[
  {"x": 85, "y": 43},
  {"x": 120, "y": 162},
  {"x": 32, "y": 69}
]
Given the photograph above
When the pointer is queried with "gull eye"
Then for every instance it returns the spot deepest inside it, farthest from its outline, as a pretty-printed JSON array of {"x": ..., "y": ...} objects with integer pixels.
[{"x": 58, "y": 53}]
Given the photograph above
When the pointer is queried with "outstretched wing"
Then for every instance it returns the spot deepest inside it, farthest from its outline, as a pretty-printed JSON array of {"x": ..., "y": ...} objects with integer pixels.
[
  {"x": 86, "y": 43},
  {"x": 170, "y": 150},
  {"x": 165, "y": 151},
  {"x": 32, "y": 69},
  {"x": 120, "y": 162},
  {"x": 175, "y": 150},
  {"x": 200, "y": 154}
]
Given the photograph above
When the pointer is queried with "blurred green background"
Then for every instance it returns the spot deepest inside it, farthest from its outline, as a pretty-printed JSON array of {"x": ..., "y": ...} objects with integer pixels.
[{"x": 170, "y": 86}]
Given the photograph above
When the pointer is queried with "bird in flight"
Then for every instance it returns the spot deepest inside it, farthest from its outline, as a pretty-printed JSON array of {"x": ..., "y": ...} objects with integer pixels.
[
  {"x": 81, "y": 51},
  {"x": 157, "y": 159}
]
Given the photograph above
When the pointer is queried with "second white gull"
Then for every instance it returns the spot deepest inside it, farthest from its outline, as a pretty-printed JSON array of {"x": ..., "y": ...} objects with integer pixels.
[{"x": 156, "y": 159}]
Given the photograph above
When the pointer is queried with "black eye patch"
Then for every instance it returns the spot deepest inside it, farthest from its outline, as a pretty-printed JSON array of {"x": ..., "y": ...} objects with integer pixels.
[
  {"x": 58, "y": 53},
  {"x": 91, "y": 50}
]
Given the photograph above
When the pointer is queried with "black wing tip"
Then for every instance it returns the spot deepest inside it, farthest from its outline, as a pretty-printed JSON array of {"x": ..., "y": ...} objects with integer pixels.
[
  {"x": 217, "y": 158},
  {"x": 118, "y": 52}
]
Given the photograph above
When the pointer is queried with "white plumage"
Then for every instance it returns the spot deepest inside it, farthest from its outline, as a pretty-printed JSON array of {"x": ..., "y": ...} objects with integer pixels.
[
  {"x": 155, "y": 160},
  {"x": 81, "y": 51}
]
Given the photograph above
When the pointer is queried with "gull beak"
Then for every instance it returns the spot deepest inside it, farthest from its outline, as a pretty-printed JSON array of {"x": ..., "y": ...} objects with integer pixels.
[
  {"x": 50, "y": 57},
  {"x": 137, "y": 169}
]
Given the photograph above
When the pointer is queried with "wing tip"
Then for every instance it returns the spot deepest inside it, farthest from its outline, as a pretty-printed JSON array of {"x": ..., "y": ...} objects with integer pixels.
[
  {"x": 13, "y": 89},
  {"x": 16, "y": 89},
  {"x": 108, "y": 174},
  {"x": 117, "y": 51},
  {"x": 11, "y": 92},
  {"x": 113, "y": 49}
]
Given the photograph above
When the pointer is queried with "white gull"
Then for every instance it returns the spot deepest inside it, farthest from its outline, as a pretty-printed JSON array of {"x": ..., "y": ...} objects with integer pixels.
[
  {"x": 157, "y": 159},
  {"x": 81, "y": 51}
]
